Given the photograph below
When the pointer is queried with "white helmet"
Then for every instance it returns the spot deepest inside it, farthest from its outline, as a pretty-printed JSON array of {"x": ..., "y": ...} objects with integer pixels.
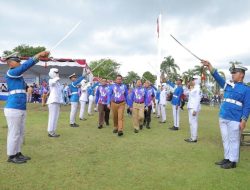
[
  {"x": 197, "y": 79},
  {"x": 53, "y": 73}
]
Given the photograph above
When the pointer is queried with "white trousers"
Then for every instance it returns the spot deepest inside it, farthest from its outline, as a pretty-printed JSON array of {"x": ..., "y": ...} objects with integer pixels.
[
  {"x": 176, "y": 115},
  {"x": 73, "y": 112},
  {"x": 82, "y": 109},
  {"x": 193, "y": 124},
  {"x": 158, "y": 109},
  {"x": 54, "y": 110},
  {"x": 29, "y": 97},
  {"x": 163, "y": 112},
  {"x": 230, "y": 132},
  {"x": 16, "y": 124},
  {"x": 91, "y": 101}
]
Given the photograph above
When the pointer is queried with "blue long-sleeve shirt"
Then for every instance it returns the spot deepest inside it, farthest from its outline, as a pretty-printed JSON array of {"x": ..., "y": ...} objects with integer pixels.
[
  {"x": 91, "y": 89},
  {"x": 15, "y": 81},
  {"x": 178, "y": 91},
  {"x": 239, "y": 92},
  {"x": 74, "y": 89}
]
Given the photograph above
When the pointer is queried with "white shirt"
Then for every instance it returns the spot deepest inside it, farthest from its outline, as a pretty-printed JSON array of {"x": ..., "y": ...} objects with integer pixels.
[
  {"x": 194, "y": 98},
  {"x": 163, "y": 97},
  {"x": 84, "y": 93},
  {"x": 55, "y": 95}
]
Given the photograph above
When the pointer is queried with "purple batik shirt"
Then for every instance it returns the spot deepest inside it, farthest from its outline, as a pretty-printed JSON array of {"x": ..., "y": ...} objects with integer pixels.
[
  {"x": 102, "y": 93},
  {"x": 139, "y": 96},
  {"x": 150, "y": 95},
  {"x": 118, "y": 93}
]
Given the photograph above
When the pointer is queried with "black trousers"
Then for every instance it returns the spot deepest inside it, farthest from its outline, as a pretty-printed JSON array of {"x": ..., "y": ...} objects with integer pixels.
[
  {"x": 107, "y": 112},
  {"x": 103, "y": 114},
  {"x": 147, "y": 115}
]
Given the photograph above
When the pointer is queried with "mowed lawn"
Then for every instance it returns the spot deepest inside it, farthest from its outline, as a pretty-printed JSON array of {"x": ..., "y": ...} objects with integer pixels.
[{"x": 93, "y": 159}]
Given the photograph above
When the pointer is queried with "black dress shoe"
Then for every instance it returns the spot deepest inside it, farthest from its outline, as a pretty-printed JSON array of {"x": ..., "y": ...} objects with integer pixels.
[
  {"x": 120, "y": 133},
  {"x": 141, "y": 127},
  {"x": 53, "y": 135},
  {"x": 224, "y": 161},
  {"x": 115, "y": 130},
  {"x": 16, "y": 160},
  {"x": 174, "y": 128},
  {"x": 136, "y": 130},
  {"x": 100, "y": 126},
  {"x": 190, "y": 140},
  {"x": 19, "y": 155},
  {"x": 229, "y": 165},
  {"x": 161, "y": 122}
]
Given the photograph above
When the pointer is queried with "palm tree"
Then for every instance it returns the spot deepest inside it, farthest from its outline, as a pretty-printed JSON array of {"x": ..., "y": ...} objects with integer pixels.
[
  {"x": 216, "y": 88},
  {"x": 187, "y": 75},
  {"x": 169, "y": 68},
  {"x": 131, "y": 77}
]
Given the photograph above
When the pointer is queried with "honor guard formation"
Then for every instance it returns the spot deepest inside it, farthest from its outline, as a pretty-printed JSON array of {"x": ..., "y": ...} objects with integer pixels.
[{"x": 140, "y": 101}]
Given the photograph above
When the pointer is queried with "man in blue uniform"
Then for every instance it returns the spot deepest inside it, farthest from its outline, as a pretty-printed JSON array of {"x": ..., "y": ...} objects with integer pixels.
[
  {"x": 234, "y": 112},
  {"x": 15, "y": 108},
  {"x": 74, "y": 98},
  {"x": 176, "y": 102}
]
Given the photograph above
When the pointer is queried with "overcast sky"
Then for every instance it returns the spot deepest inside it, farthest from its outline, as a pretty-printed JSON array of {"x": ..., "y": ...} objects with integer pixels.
[{"x": 125, "y": 30}]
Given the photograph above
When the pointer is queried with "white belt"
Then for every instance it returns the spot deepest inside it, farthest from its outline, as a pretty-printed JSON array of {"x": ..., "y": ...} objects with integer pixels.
[
  {"x": 175, "y": 96},
  {"x": 232, "y": 101},
  {"x": 74, "y": 93},
  {"x": 18, "y": 91}
]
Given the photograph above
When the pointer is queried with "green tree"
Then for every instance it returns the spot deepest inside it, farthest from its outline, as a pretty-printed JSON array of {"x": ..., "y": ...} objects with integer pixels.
[
  {"x": 149, "y": 76},
  {"x": 187, "y": 75},
  {"x": 25, "y": 50},
  {"x": 105, "y": 68},
  {"x": 131, "y": 77},
  {"x": 216, "y": 87},
  {"x": 169, "y": 68}
]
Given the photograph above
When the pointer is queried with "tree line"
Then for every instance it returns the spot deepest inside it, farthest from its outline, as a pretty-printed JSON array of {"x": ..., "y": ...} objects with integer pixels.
[{"x": 108, "y": 68}]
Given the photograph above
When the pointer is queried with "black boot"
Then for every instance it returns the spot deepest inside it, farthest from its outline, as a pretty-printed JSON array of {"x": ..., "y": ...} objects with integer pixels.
[
  {"x": 21, "y": 156},
  {"x": 14, "y": 159},
  {"x": 224, "y": 161},
  {"x": 229, "y": 165},
  {"x": 148, "y": 125}
]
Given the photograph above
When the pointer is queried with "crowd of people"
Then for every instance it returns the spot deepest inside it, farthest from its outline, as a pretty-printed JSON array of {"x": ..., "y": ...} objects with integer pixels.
[{"x": 140, "y": 101}]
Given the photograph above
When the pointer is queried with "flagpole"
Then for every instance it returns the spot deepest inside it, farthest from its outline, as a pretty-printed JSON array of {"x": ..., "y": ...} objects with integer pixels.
[{"x": 159, "y": 47}]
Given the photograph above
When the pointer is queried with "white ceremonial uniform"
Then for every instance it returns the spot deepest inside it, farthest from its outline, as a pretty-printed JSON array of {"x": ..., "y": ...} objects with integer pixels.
[
  {"x": 162, "y": 104},
  {"x": 83, "y": 99},
  {"x": 54, "y": 101},
  {"x": 194, "y": 97}
]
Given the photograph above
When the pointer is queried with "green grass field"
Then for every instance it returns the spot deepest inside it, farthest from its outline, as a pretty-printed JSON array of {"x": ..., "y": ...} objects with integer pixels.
[{"x": 92, "y": 159}]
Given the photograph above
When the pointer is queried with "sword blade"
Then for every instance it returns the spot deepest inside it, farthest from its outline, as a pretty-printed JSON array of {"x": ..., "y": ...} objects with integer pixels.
[{"x": 185, "y": 48}]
